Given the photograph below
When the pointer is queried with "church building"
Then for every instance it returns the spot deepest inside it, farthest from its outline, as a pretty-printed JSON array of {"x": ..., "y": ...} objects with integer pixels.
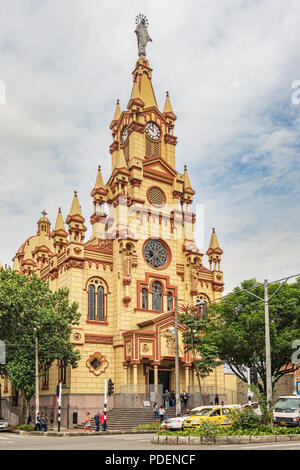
[{"x": 140, "y": 258}]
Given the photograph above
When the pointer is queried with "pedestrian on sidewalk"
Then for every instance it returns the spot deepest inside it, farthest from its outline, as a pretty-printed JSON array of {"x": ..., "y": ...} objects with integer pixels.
[
  {"x": 37, "y": 422},
  {"x": 97, "y": 421},
  {"x": 42, "y": 422},
  {"x": 103, "y": 421},
  {"x": 87, "y": 426}
]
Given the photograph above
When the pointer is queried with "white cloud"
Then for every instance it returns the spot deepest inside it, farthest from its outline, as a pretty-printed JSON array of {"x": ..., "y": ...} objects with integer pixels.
[{"x": 228, "y": 67}]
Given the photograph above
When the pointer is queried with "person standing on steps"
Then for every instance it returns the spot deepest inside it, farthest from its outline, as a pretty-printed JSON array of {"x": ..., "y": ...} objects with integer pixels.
[
  {"x": 155, "y": 410},
  {"x": 87, "y": 426},
  {"x": 97, "y": 421},
  {"x": 161, "y": 413}
]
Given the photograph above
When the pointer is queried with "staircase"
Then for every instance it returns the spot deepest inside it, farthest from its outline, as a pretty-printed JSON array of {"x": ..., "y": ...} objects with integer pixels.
[{"x": 125, "y": 419}]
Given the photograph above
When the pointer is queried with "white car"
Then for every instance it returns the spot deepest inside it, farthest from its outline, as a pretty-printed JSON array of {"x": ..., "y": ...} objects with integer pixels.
[
  {"x": 177, "y": 423},
  {"x": 255, "y": 407},
  {"x": 3, "y": 424}
]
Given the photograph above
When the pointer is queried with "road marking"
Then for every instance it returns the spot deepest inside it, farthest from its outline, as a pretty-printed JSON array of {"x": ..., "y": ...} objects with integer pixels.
[{"x": 283, "y": 443}]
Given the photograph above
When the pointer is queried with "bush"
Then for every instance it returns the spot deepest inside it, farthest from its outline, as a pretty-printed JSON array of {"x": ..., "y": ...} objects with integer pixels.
[
  {"x": 24, "y": 427},
  {"x": 209, "y": 429},
  {"x": 148, "y": 427},
  {"x": 244, "y": 419}
]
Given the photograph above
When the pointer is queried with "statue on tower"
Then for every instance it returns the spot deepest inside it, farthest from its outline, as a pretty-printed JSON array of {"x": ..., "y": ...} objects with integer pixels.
[{"x": 141, "y": 32}]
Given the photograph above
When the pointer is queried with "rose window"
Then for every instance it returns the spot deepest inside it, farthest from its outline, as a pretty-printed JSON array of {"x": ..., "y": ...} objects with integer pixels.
[{"x": 155, "y": 253}]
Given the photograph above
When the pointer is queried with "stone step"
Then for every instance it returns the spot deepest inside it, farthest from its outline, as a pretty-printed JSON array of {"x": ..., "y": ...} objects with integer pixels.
[{"x": 126, "y": 418}]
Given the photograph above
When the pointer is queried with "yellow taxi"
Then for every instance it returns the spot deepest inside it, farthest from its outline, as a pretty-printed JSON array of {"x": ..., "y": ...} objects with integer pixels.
[{"x": 216, "y": 414}]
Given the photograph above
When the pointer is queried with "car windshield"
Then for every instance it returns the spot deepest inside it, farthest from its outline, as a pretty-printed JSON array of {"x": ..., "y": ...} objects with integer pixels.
[
  {"x": 204, "y": 412},
  {"x": 287, "y": 405}
]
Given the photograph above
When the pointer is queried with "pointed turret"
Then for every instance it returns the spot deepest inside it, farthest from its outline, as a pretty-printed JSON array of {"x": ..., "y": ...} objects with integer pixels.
[
  {"x": 28, "y": 263},
  {"x": 75, "y": 221},
  {"x": 168, "y": 110},
  {"x": 98, "y": 194},
  {"x": 188, "y": 192},
  {"x": 214, "y": 252},
  {"x": 117, "y": 115},
  {"x": 59, "y": 234}
]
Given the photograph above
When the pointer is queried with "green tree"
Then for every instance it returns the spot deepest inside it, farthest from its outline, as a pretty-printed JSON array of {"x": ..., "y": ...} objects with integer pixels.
[
  {"x": 203, "y": 349},
  {"x": 28, "y": 308},
  {"x": 236, "y": 326}
]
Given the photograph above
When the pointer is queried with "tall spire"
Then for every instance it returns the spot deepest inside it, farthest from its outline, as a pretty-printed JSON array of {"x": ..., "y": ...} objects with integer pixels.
[{"x": 142, "y": 94}]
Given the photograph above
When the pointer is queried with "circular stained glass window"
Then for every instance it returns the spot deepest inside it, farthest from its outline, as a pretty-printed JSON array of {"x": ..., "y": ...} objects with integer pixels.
[{"x": 155, "y": 253}]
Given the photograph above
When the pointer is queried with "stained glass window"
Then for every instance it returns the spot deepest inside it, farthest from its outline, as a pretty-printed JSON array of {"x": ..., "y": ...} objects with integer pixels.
[
  {"x": 156, "y": 296},
  {"x": 155, "y": 253}
]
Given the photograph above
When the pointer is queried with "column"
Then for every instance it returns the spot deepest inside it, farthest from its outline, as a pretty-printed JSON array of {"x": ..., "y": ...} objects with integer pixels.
[
  {"x": 156, "y": 379},
  {"x": 187, "y": 377},
  {"x": 125, "y": 369},
  {"x": 135, "y": 378}
]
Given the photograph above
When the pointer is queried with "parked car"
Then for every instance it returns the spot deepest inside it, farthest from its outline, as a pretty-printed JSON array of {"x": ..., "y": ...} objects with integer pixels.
[
  {"x": 216, "y": 414},
  {"x": 176, "y": 424},
  {"x": 255, "y": 407},
  {"x": 287, "y": 411},
  {"x": 3, "y": 424}
]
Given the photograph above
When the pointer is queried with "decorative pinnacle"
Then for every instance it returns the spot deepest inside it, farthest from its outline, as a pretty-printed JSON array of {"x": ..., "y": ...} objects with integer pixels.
[
  {"x": 75, "y": 193},
  {"x": 44, "y": 213}
]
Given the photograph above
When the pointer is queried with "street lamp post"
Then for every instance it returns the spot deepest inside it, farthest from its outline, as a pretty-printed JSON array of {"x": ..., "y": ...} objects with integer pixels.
[
  {"x": 37, "y": 398},
  {"x": 266, "y": 300},
  {"x": 177, "y": 371}
]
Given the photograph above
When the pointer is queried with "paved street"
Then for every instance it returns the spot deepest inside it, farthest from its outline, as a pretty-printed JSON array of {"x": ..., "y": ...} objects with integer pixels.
[{"x": 128, "y": 442}]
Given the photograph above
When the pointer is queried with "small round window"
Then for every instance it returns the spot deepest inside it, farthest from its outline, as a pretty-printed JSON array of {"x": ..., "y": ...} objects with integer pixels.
[{"x": 156, "y": 196}]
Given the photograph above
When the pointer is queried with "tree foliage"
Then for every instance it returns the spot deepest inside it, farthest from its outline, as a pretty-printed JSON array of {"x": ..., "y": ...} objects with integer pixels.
[
  {"x": 236, "y": 326},
  {"x": 28, "y": 308}
]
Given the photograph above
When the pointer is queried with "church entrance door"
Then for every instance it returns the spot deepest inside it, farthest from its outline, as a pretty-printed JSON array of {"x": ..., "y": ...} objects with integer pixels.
[{"x": 163, "y": 379}]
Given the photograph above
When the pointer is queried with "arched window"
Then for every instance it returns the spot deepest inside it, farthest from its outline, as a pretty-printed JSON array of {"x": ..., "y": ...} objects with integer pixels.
[
  {"x": 100, "y": 302},
  {"x": 97, "y": 301},
  {"x": 156, "y": 296},
  {"x": 202, "y": 306},
  {"x": 169, "y": 301},
  {"x": 144, "y": 299},
  {"x": 91, "y": 302}
]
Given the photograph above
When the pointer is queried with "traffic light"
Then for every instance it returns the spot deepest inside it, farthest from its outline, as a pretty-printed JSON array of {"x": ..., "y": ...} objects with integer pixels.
[
  {"x": 110, "y": 387},
  {"x": 253, "y": 376}
]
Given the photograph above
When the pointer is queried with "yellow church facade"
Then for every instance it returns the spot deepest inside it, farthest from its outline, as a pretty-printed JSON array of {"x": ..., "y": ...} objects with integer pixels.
[{"x": 140, "y": 257}]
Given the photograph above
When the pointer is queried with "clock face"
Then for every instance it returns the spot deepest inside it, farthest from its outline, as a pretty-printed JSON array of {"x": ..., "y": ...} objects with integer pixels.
[
  {"x": 153, "y": 130},
  {"x": 124, "y": 134},
  {"x": 155, "y": 253}
]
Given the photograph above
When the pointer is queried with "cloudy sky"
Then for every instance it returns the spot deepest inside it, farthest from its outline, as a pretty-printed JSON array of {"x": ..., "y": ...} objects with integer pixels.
[{"x": 229, "y": 66}]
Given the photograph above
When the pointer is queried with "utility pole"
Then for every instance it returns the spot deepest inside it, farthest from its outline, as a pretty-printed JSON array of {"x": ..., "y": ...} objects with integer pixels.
[
  {"x": 177, "y": 371},
  {"x": 59, "y": 407},
  {"x": 105, "y": 400},
  {"x": 266, "y": 300},
  {"x": 268, "y": 346}
]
